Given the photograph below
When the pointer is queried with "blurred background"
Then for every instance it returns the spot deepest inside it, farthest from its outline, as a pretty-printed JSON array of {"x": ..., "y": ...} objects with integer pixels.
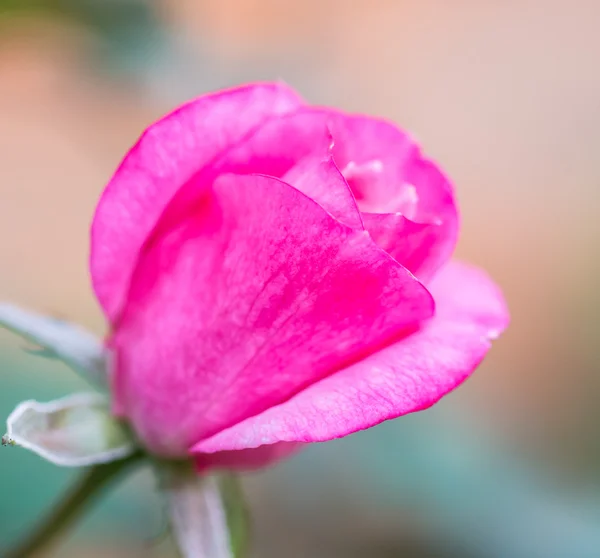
[{"x": 505, "y": 95}]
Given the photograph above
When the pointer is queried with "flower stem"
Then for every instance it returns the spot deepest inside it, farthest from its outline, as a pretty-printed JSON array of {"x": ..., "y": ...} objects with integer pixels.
[
  {"x": 196, "y": 511},
  {"x": 70, "y": 508}
]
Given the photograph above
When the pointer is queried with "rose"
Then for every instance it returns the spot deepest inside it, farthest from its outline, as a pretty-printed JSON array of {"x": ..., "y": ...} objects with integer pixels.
[{"x": 277, "y": 274}]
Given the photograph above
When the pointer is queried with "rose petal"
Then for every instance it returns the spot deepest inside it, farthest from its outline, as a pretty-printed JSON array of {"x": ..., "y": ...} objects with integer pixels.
[
  {"x": 420, "y": 247},
  {"x": 383, "y": 168},
  {"x": 389, "y": 176},
  {"x": 248, "y": 459},
  {"x": 317, "y": 176},
  {"x": 407, "y": 376},
  {"x": 276, "y": 146},
  {"x": 167, "y": 155},
  {"x": 255, "y": 295},
  {"x": 322, "y": 181},
  {"x": 373, "y": 155},
  {"x": 297, "y": 148}
]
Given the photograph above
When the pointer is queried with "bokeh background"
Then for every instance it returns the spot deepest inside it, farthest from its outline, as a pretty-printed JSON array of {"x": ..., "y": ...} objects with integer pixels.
[{"x": 505, "y": 95}]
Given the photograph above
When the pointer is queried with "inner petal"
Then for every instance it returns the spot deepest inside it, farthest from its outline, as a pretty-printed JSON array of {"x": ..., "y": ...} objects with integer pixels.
[{"x": 368, "y": 184}]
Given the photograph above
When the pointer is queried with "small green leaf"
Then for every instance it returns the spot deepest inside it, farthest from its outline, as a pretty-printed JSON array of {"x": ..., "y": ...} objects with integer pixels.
[
  {"x": 75, "y": 431},
  {"x": 53, "y": 338}
]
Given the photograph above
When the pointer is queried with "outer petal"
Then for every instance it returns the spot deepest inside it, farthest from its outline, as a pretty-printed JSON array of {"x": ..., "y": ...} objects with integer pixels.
[
  {"x": 168, "y": 155},
  {"x": 252, "y": 297},
  {"x": 248, "y": 459},
  {"x": 407, "y": 376}
]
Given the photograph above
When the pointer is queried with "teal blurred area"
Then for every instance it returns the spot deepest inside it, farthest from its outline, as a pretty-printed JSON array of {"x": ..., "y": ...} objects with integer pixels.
[{"x": 504, "y": 95}]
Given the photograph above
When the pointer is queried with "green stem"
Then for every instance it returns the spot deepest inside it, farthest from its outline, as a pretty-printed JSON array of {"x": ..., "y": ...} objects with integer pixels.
[{"x": 70, "y": 508}]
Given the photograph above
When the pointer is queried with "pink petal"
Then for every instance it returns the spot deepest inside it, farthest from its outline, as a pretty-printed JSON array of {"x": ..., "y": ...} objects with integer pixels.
[
  {"x": 297, "y": 148},
  {"x": 248, "y": 459},
  {"x": 254, "y": 295},
  {"x": 373, "y": 155},
  {"x": 390, "y": 177},
  {"x": 420, "y": 247},
  {"x": 167, "y": 155},
  {"x": 410, "y": 375},
  {"x": 279, "y": 144},
  {"x": 321, "y": 180},
  {"x": 409, "y": 243},
  {"x": 384, "y": 170}
]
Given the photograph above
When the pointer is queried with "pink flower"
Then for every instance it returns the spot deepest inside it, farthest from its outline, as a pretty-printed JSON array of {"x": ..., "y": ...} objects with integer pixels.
[{"x": 276, "y": 273}]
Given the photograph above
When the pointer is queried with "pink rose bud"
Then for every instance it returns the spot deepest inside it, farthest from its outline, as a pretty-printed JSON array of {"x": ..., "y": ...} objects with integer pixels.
[{"x": 277, "y": 274}]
